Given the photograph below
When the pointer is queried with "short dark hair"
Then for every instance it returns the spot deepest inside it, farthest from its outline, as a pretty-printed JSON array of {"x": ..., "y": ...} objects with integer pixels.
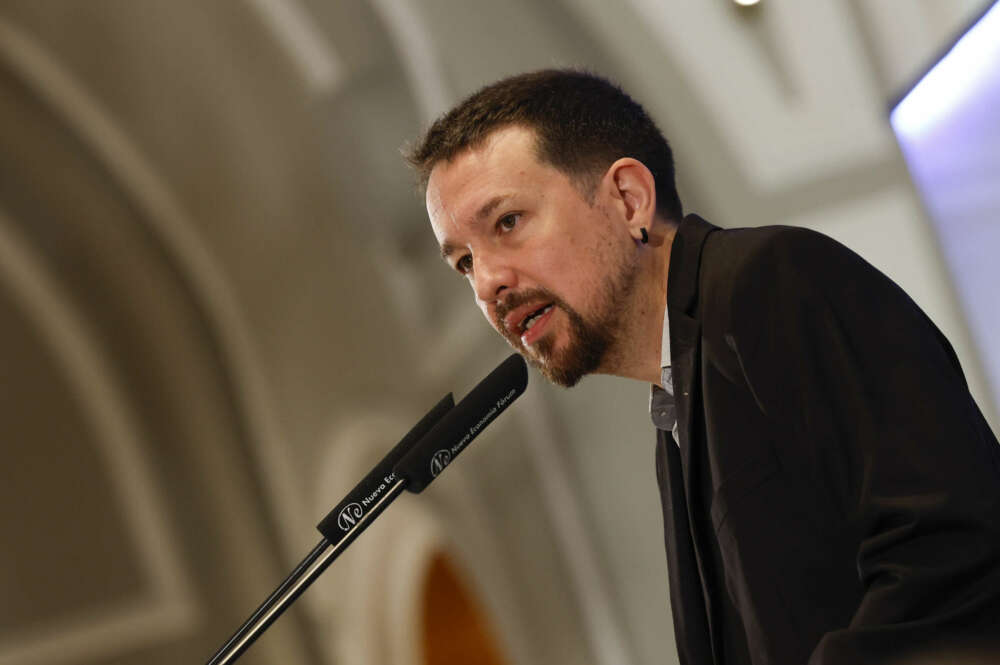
[{"x": 582, "y": 123}]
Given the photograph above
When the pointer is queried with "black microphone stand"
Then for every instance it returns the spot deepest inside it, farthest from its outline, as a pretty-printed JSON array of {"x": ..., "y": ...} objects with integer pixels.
[
  {"x": 444, "y": 432},
  {"x": 298, "y": 581}
]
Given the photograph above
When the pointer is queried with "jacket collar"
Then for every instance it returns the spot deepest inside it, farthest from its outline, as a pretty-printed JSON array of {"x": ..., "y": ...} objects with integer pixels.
[
  {"x": 685, "y": 259},
  {"x": 685, "y": 328}
]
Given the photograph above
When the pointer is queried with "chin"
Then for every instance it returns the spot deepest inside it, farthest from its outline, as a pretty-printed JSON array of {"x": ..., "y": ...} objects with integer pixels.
[
  {"x": 561, "y": 377},
  {"x": 565, "y": 367},
  {"x": 580, "y": 350}
]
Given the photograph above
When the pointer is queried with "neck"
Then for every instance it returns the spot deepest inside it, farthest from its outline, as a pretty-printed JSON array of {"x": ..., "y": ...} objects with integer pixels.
[{"x": 637, "y": 350}]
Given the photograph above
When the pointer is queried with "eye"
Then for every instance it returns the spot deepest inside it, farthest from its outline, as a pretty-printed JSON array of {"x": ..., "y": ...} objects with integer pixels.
[
  {"x": 508, "y": 222},
  {"x": 464, "y": 264}
]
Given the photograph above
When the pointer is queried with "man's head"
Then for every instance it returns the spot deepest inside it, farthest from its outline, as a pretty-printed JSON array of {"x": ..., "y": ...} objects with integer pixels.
[
  {"x": 537, "y": 188},
  {"x": 582, "y": 122}
]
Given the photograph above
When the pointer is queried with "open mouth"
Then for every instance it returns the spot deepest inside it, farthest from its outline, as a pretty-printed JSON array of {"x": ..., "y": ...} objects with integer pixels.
[{"x": 530, "y": 320}]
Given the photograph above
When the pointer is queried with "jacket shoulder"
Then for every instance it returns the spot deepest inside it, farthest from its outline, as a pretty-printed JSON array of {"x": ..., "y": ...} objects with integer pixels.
[
  {"x": 736, "y": 253},
  {"x": 745, "y": 272},
  {"x": 734, "y": 258}
]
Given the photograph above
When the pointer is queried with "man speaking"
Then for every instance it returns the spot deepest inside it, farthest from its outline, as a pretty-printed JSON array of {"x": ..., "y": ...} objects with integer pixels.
[{"x": 830, "y": 490}]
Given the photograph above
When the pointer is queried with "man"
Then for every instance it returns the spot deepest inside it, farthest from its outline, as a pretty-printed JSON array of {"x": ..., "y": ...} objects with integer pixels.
[{"x": 830, "y": 490}]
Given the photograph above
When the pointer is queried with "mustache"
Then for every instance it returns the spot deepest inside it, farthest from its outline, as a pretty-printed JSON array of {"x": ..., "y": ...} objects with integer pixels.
[{"x": 515, "y": 300}]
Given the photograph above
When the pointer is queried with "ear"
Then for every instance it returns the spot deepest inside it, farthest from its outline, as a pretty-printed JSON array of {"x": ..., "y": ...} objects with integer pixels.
[{"x": 633, "y": 193}]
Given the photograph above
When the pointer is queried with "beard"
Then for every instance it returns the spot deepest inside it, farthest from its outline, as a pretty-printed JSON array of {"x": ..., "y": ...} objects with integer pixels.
[{"x": 590, "y": 338}]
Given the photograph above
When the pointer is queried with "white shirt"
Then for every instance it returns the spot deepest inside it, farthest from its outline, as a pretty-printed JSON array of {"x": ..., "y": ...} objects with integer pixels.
[{"x": 661, "y": 400}]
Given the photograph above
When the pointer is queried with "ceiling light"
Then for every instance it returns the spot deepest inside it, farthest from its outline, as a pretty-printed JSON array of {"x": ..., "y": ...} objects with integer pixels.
[{"x": 972, "y": 60}]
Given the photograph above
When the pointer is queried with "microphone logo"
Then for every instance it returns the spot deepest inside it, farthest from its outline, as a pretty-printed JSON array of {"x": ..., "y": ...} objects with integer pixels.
[
  {"x": 439, "y": 462},
  {"x": 349, "y": 516}
]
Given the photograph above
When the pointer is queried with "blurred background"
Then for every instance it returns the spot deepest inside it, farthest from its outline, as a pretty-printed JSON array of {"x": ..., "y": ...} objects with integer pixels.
[{"x": 221, "y": 304}]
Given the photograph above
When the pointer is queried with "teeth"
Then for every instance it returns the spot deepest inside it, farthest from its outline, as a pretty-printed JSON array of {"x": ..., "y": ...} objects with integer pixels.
[{"x": 530, "y": 321}]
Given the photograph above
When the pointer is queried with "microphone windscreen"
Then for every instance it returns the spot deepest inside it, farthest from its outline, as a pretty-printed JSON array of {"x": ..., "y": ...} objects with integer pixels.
[
  {"x": 366, "y": 493},
  {"x": 453, "y": 433}
]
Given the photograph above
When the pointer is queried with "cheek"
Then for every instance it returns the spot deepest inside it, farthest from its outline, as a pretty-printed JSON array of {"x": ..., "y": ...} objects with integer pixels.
[{"x": 571, "y": 269}]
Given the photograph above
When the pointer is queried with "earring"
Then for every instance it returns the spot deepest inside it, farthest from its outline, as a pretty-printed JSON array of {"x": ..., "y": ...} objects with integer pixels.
[{"x": 645, "y": 236}]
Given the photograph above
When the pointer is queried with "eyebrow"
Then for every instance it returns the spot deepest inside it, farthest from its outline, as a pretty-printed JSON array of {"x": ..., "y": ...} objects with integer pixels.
[
  {"x": 492, "y": 205},
  {"x": 447, "y": 249}
]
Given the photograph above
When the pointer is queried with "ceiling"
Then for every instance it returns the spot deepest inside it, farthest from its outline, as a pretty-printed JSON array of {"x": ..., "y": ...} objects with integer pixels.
[{"x": 222, "y": 305}]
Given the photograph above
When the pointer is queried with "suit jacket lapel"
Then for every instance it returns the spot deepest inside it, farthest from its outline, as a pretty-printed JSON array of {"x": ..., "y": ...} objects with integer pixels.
[
  {"x": 685, "y": 345},
  {"x": 687, "y": 598},
  {"x": 685, "y": 328},
  {"x": 685, "y": 348}
]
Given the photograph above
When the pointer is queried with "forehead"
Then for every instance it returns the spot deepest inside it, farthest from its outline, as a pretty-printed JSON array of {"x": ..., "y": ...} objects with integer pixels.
[{"x": 505, "y": 165}]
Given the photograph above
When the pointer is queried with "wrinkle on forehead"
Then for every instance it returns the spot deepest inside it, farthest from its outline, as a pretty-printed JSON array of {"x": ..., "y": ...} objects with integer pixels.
[
  {"x": 436, "y": 209},
  {"x": 444, "y": 221}
]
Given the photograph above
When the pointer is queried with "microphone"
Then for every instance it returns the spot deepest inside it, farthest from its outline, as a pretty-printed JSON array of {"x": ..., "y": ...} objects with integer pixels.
[
  {"x": 365, "y": 494},
  {"x": 455, "y": 431},
  {"x": 433, "y": 443}
]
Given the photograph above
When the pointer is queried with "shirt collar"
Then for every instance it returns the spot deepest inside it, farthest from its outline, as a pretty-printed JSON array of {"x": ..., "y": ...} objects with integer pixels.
[
  {"x": 665, "y": 344},
  {"x": 661, "y": 400}
]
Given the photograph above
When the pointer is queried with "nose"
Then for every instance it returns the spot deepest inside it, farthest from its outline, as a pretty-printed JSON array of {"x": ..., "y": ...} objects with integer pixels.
[{"x": 492, "y": 274}]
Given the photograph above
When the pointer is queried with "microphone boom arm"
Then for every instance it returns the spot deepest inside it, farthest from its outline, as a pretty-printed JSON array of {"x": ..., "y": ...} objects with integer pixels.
[
  {"x": 444, "y": 432},
  {"x": 299, "y": 580}
]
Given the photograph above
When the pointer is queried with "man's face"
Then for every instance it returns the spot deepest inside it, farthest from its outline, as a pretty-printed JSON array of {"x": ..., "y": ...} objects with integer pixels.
[{"x": 550, "y": 271}]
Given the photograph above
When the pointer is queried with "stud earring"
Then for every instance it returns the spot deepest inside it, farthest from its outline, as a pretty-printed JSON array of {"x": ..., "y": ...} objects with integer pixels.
[{"x": 645, "y": 236}]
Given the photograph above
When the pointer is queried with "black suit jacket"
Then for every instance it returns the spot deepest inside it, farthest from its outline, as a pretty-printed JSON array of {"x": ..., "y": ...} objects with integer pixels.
[{"x": 846, "y": 475}]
